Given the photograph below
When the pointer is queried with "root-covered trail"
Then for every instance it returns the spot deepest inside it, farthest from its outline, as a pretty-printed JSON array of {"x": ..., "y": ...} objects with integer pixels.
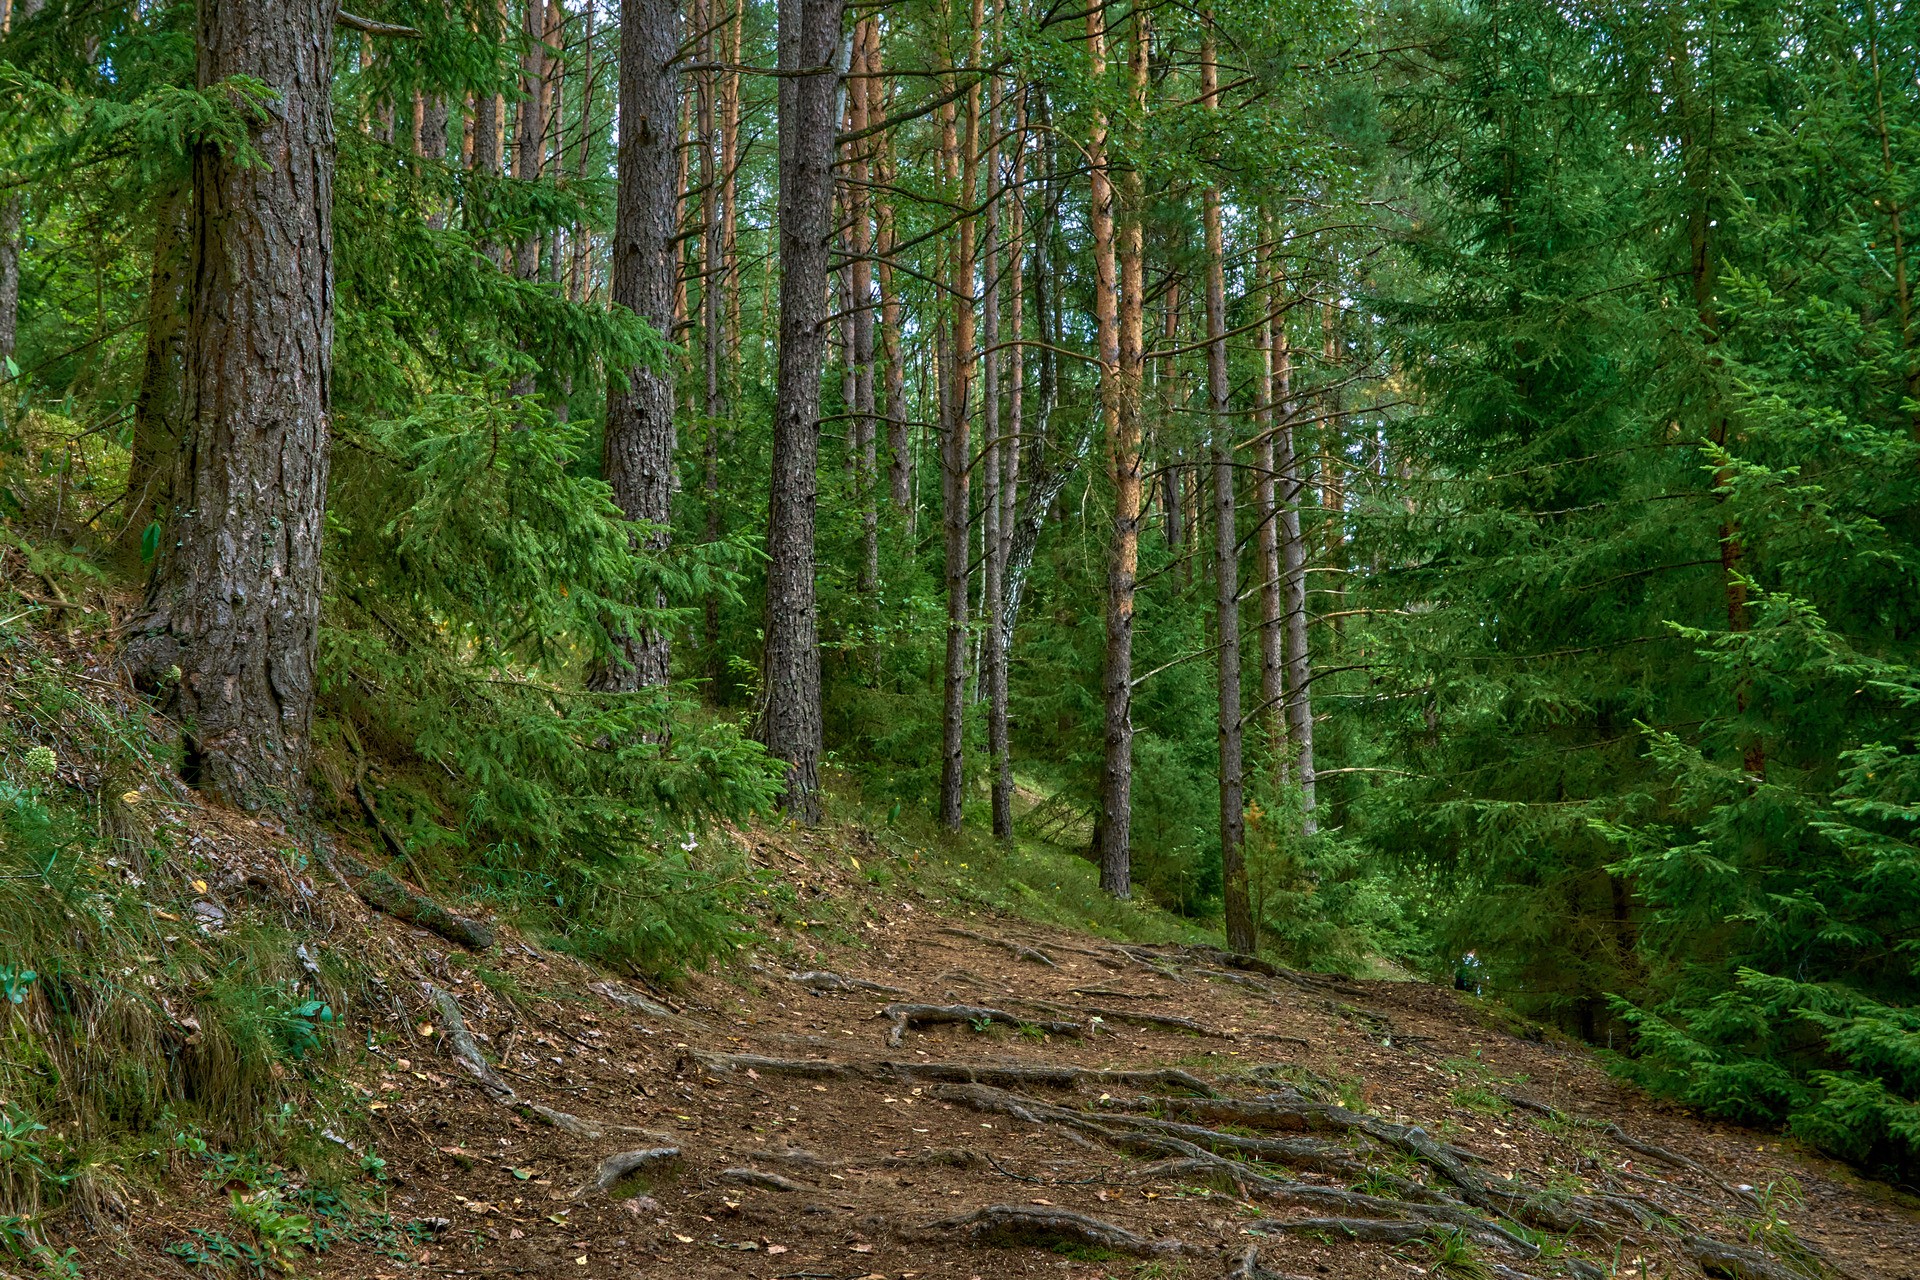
[{"x": 981, "y": 1097}]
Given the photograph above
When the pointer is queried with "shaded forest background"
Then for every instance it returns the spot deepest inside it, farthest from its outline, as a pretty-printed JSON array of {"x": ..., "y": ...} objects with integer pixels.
[{"x": 1389, "y": 480}]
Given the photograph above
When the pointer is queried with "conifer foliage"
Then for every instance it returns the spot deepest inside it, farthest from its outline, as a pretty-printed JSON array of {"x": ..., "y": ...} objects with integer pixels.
[{"x": 1380, "y": 478}]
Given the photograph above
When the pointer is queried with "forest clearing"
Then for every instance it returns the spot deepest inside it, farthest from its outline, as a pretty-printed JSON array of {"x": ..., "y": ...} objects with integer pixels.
[{"x": 891, "y": 638}]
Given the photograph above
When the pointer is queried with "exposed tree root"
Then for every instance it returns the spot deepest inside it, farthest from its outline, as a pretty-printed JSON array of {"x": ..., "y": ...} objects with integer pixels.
[
  {"x": 1019, "y": 1074},
  {"x": 1248, "y": 1268},
  {"x": 1141, "y": 1133},
  {"x": 1672, "y": 1159},
  {"x": 1735, "y": 1262},
  {"x": 384, "y": 893},
  {"x": 764, "y": 1181},
  {"x": 629, "y": 1000},
  {"x": 626, "y": 1163},
  {"x": 821, "y": 980},
  {"x": 909, "y": 1015},
  {"x": 1043, "y": 1227},
  {"x": 1162, "y": 1020},
  {"x": 1311, "y": 1116},
  {"x": 564, "y": 1121},
  {"x": 1367, "y": 1230},
  {"x": 972, "y": 979},
  {"x": 1253, "y": 1184},
  {"x": 1020, "y": 950},
  {"x": 465, "y": 1050}
]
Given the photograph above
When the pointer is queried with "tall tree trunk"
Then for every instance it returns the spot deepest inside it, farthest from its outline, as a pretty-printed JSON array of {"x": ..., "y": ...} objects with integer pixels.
[
  {"x": 637, "y": 452},
  {"x": 1000, "y": 636},
  {"x": 1173, "y": 473},
  {"x": 232, "y": 612},
  {"x": 809, "y": 40},
  {"x": 1269, "y": 338},
  {"x": 962, "y": 161},
  {"x": 158, "y": 406},
  {"x": 866, "y": 43},
  {"x": 1119, "y": 274},
  {"x": 11, "y": 207},
  {"x": 1293, "y": 579},
  {"x": 713, "y": 399},
  {"x": 1226, "y": 558},
  {"x": 899, "y": 439},
  {"x": 992, "y": 510}
]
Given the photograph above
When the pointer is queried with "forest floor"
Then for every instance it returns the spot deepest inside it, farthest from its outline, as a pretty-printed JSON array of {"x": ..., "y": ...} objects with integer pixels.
[{"x": 1065, "y": 1106}]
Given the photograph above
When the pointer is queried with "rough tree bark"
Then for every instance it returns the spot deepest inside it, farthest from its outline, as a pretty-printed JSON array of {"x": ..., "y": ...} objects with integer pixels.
[
  {"x": 867, "y": 457},
  {"x": 637, "y": 452},
  {"x": 1119, "y": 253},
  {"x": 232, "y": 612},
  {"x": 899, "y": 446},
  {"x": 790, "y": 721},
  {"x": 1293, "y": 589},
  {"x": 1226, "y": 558},
  {"x": 158, "y": 405},
  {"x": 531, "y": 123},
  {"x": 1000, "y": 636},
  {"x": 993, "y": 669},
  {"x": 962, "y": 163},
  {"x": 1273, "y": 669}
]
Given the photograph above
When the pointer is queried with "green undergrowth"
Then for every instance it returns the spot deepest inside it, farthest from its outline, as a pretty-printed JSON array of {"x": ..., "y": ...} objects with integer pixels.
[
  {"x": 160, "y": 1006},
  {"x": 1027, "y": 877}
]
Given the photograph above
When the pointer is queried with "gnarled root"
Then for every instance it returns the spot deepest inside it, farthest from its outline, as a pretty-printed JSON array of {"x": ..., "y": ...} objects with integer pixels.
[
  {"x": 1043, "y": 1227},
  {"x": 909, "y": 1015}
]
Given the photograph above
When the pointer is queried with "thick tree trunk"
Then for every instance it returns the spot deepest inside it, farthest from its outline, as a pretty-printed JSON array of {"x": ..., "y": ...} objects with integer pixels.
[
  {"x": 790, "y": 724},
  {"x": 158, "y": 406},
  {"x": 637, "y": 453},
  {"x": 233, "y": 607}
]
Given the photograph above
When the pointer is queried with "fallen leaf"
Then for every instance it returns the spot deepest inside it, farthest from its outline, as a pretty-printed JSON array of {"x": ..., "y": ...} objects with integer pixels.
[
  {"x": 863, "y": 1248},
  {"x": 682, "y": 1239},
  {"x": 776, "y": 1248}
]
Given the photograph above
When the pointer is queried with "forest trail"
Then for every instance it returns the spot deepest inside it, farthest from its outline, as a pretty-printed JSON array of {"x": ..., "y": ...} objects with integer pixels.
[{"x": 1061, "y": 1106}]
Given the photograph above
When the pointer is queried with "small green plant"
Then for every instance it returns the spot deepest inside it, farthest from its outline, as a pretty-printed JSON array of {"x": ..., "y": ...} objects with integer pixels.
[
  {"x": 278, "y": 1230},
  {"x": 16, "y": 982},
  {"x": 1453, "y": 1256},
  {"x": 297, "y": 1029},
  {"x": 1478, "y": 1098}
]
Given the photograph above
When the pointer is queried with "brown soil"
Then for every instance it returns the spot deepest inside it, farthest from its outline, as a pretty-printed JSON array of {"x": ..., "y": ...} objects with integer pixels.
[{"x": 850, "y": 1171}]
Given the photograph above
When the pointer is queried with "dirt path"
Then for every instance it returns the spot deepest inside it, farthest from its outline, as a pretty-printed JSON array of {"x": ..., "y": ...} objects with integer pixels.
[{"x": 974, "y": 1097}]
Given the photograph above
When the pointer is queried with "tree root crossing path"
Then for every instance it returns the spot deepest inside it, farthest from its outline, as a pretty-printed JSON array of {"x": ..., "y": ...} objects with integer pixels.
[{"x": 956, "y": 1095}]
